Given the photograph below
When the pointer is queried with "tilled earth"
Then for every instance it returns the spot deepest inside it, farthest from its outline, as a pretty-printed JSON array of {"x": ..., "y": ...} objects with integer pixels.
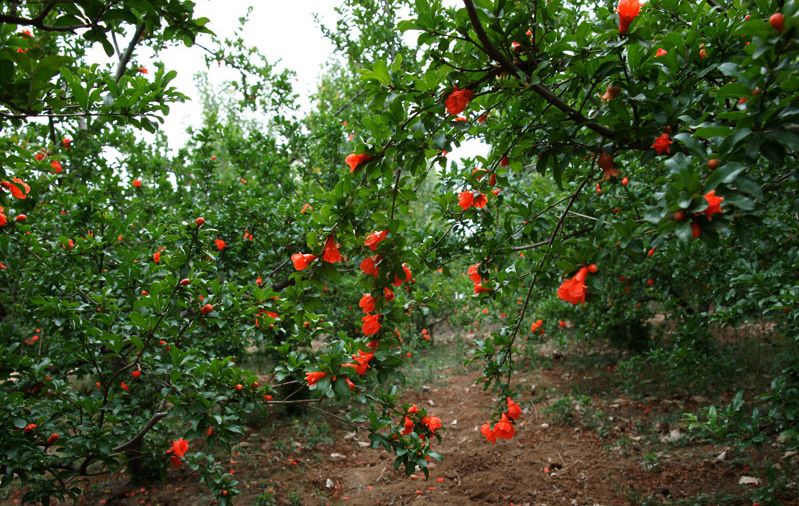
[{"x": 606, "y": 451}]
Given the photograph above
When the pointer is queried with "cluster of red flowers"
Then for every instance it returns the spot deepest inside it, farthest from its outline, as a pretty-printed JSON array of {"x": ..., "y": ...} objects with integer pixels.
[
  {"x": 573, "y": 289},
  {"x": 537, "y": 327},
  {"x": 474, "y": 276},
  {"x": 330, "y": 254},
  {"x": 18, "y": 188},
  {"x": 468, "y": 199},
  {"x": 432, "y": 423},
  {"x": 504, "y": 428},
  {"x": 362, "y": 360}
]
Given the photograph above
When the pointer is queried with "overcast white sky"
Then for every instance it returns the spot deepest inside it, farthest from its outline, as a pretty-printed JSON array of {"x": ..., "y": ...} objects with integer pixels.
[{"x": 283, "y": 31}]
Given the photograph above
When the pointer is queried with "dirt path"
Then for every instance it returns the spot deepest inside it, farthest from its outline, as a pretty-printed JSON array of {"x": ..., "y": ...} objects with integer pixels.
[
  {"x": 476, "y": 472},
  {"x": 545, "y": 464},
  {"x": 313, "y": 461}
]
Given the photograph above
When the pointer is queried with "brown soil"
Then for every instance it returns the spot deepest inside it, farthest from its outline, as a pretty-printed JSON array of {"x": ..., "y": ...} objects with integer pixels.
[{"x": 547, "y": 463}]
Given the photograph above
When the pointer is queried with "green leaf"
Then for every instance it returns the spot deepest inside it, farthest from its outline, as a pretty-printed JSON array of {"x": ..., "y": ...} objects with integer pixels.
[
  {"x": 725, "y": 174},
  {"x": 708, "y": 130}
]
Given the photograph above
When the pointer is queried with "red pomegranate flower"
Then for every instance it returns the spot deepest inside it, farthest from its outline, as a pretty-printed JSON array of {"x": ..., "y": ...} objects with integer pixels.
[
  {"x": 504, "y": 428},
  {"x": 220, "y": 244},
  {"x": 433, "y": 423},
  {"x": 369, "y": 266},
  {"x": 375, "y": 238},
  {"x": 514, "y": 411},
  {"x": 177, "y": 450},
  {"x": 607, "y": 165},
  {"x": 474, "y": 274},
  {"x": 331, "y": 253},
  {"x": 18, "y": 192},
  {"x": 408, "y": 275},
  {"x": 457, "y": 100},
  {"x": 662, "y": 143},
  {"x": 713, "y": 204},
  {"x": 465, "y": 200},
  {"x": 312, "y": 378},
  {"x": 408, "y": 426},
  {"x": 362, "y": 360},
  {"x": 302, "y": 260},
  {"x": 371, "y": 324},
  {"x": 628, "y": 10},
  {"x": 367, "y": 303},
  {"x": 573, "y": 289},
  {"x": 489, "y": 434},
  {"x": 355, "y": 160}
]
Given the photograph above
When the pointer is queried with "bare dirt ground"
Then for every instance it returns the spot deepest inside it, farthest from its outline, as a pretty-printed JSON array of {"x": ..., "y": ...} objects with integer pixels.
[{"x": 570, "y": 449}]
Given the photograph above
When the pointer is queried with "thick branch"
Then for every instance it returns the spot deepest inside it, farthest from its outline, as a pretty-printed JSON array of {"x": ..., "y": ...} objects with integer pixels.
[
  {"x": 157, "y": 416},
  {"x": 38, "y": 23},
  {"x": 126, "y": 56},
  {"x": 540, "y": 89}
]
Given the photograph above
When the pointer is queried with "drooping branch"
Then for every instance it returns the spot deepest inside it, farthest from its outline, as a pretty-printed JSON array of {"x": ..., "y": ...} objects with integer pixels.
[
  {"x": 539, "y": 267},
  {"x": 544, "y": 92}
]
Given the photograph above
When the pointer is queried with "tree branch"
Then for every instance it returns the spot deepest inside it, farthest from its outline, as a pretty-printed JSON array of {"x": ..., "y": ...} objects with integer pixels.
[
  {"x": 545, "y": 242},
  {"x": 539, "y": 89},
  {"x": 125, "y": 58},
  {"x": 39, "y": 24},
  {"x": 157, "y": 416}
]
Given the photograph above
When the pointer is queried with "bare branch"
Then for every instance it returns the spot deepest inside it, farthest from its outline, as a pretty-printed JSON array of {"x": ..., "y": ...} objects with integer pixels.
[
  {"x": 157, "y": 416},
  {"x": 125, "y": 58}
]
